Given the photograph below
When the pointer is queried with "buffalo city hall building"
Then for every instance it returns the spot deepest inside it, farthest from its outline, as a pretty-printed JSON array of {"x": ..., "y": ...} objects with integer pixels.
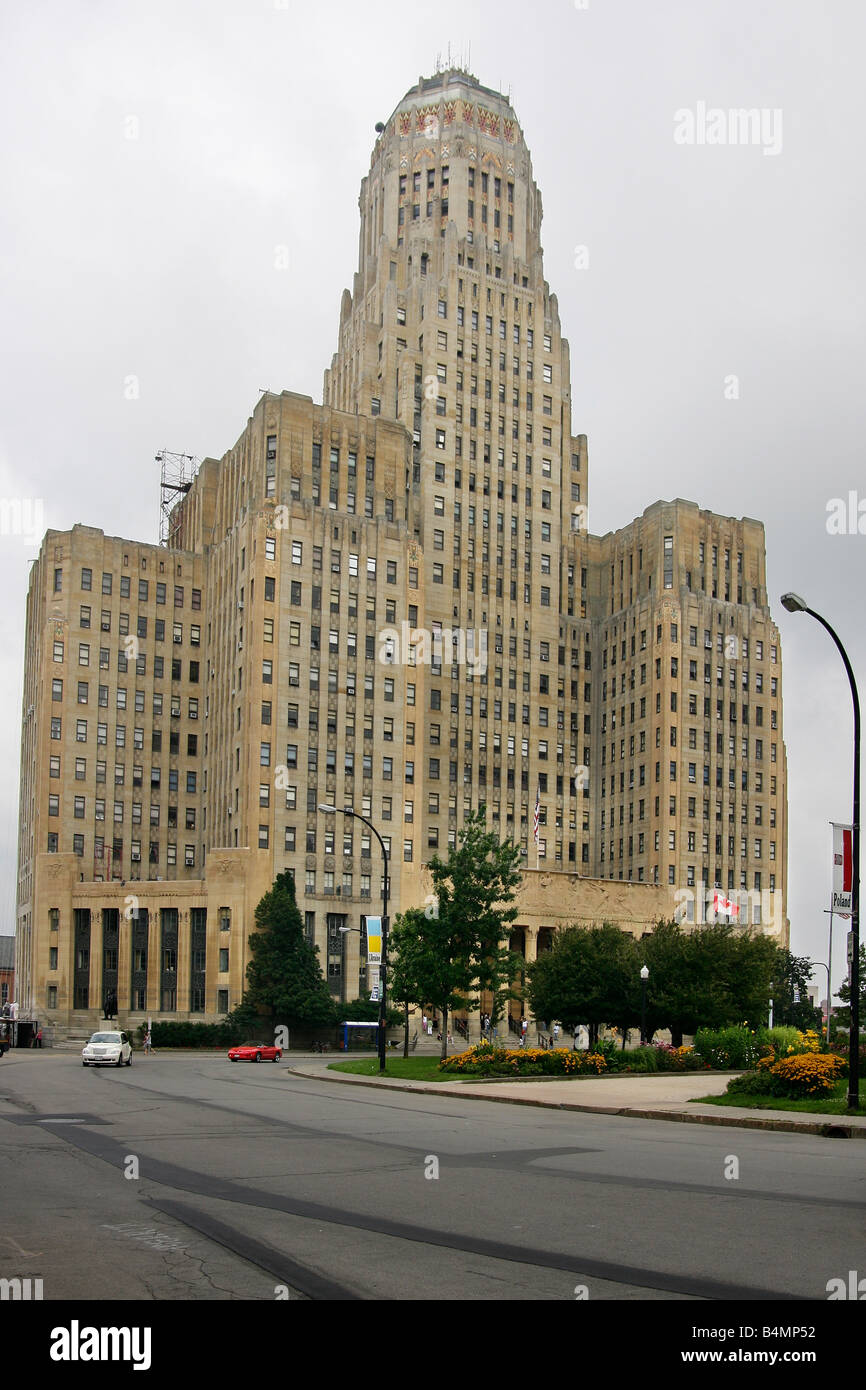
[{"x": 391, "y": 601}]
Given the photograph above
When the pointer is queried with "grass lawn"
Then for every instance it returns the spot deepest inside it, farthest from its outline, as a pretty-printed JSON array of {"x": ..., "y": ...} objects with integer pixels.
[
  {"x": 407, "y": 1068},
  {"x": 833, "y": 1104}
]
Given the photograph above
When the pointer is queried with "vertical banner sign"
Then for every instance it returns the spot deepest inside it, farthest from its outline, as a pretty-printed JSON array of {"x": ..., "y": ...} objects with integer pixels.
[
  {"x": 374, "y": 940},
  {"x": 843, "y": 869}
]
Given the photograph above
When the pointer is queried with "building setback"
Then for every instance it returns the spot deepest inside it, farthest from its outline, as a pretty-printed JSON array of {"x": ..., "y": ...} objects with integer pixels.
[{"x": 392, "y": 601}]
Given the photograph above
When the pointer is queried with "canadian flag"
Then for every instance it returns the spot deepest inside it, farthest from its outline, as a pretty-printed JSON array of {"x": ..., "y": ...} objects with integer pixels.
[{"x": 723, "y": 904}]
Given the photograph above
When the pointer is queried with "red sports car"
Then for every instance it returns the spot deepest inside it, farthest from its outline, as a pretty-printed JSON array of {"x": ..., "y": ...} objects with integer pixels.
[{"x": 255, "y": 1052}]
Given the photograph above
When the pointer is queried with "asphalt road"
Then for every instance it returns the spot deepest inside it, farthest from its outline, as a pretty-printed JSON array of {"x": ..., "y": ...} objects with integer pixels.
[{"x": 192, "y": 1178}]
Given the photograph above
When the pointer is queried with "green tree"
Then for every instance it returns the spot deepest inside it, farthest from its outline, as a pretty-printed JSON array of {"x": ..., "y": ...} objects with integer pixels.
[
  {"x": 445, "y": 955},
  {"x": 707, "y": 978},
  {"x": 284, "y": 978},
  {"x": 670, "y": 987},
  {"x": 727, "y": 977},
  {"x": 791, "y": 975},
  {"x": 591, "y": 975},
  {"x": 753, "y": 960},
  {"x": 405, "y": 959}
]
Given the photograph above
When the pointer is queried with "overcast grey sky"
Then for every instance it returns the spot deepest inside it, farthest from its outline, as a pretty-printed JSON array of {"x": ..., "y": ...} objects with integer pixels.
[{"x": 155, "y": 155}]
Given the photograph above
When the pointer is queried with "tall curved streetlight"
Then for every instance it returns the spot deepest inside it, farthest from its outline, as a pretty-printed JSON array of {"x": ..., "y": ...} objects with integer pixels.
[
  {"x": 794, "y": 604},
  {"x": 348, "y": 811}
]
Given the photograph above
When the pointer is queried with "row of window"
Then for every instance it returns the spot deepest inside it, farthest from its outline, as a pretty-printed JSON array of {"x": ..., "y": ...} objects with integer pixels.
[
  {"x": 161, "y": 589},
  {"x": 123, "y": 660},
  {"x": 140, "y": 958},
  {"x": 757, "y": 845},
  {"x": 80, "y": 811},
  {"x": 141, "y": 624},
  {"x": 82, "y": 736},
  {"x": 120, "y": 774},
  {"x": 444, "y": 174},
  {"x": 692, "y": 810},
  {"x": 734, "y": 647},
  {"x": 157, "y": 700},
  {"x": 103, "y": 859},
  {"x": 692, "y": 771},
  {"x": 673, "y": 872}
]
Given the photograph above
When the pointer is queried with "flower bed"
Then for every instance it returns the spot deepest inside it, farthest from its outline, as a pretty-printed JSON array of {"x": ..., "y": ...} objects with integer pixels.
[{"x": 484, "y": 1060}]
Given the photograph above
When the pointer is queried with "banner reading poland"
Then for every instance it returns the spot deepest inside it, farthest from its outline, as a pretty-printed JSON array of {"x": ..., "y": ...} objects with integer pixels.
[{"x": 843, "y": 868}]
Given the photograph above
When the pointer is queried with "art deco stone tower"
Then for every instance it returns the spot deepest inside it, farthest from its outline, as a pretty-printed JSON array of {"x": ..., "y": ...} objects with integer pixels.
[
  {"x": 452, "y": 330},
  {"x": 392, "y": 601}
]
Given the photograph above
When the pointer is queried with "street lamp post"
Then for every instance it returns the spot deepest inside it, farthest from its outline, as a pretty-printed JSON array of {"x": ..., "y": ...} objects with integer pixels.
[
  {"x": 644, "y": 976},
  {"x": 348, "y": 811},
  {"x": 824, "y": 966},
  {"x": 794, "y": 604},
  {"x": 829, "y": 973}
]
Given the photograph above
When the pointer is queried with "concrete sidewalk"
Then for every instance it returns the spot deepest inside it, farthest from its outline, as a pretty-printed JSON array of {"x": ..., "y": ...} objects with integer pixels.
[{"x": 666, "y": 1096}]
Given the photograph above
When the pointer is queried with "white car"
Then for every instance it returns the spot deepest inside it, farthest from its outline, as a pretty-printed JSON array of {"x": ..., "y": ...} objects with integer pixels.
[{"x": 107, "y": 1049}]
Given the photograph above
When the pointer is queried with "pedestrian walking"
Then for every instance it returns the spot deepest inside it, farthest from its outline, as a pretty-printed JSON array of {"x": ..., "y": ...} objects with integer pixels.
[
  {"x": 555, "y": 1034},
  {"x": 147, "y": 1041},
  {"x": 39, "y": 1037}
]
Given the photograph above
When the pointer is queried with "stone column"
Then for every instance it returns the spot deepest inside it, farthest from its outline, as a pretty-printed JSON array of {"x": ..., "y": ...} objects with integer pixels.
[{"x": 530, "y": 954}]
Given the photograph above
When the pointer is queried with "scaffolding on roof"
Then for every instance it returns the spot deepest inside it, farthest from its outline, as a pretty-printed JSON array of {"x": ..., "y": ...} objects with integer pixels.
[{"x": 177, "y": 473}]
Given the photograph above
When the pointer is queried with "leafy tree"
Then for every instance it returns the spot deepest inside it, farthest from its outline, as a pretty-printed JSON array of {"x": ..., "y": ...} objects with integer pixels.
[
  {"x": 753, "y": 961},
  {"x": 587, "y": 977},
  {"x": 445, "y": 957},
  {"x": 405, "y": 959},
  {"x": 284, "y": 978},
  {"x": 670, "y": 987},
  {"x": 793, "y": 974},
  {"x": 708, "y": 978}
]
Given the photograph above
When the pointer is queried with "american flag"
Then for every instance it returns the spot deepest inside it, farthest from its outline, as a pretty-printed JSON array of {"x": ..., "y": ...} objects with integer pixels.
[{"x": 537, "y": 817}]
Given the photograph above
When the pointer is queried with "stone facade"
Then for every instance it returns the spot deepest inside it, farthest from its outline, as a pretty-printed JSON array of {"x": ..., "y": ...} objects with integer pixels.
[{"x": 392, "y": 601}]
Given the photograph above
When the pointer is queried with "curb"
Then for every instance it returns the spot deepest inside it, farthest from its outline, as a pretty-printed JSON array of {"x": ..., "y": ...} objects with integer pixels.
[{"x": 825, "y": 1129}]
